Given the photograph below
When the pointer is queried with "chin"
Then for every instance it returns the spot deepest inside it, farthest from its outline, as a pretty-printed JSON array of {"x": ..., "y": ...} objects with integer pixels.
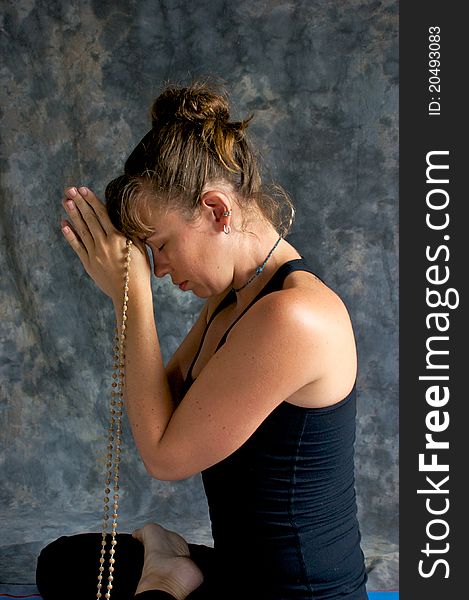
[
  {"x": 205, "y": 292},
  {"x": 201, "y": 295}
]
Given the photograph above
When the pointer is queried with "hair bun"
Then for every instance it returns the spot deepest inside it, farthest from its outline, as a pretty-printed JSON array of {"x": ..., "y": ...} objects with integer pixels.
[{"x": 196, "y": 103}]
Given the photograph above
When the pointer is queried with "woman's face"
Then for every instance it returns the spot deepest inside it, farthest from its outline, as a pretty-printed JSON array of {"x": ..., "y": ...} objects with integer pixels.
[{"x": 191, "y": 252}]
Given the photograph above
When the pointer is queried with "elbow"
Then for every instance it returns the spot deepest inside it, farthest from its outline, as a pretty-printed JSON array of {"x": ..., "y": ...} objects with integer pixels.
[
  {"x": 161, "y": 472},
  {"x": 162, "y": 475}
]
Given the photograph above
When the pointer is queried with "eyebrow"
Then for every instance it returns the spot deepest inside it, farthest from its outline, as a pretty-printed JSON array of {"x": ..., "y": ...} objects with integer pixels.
[{"x": 154, "y": 233}]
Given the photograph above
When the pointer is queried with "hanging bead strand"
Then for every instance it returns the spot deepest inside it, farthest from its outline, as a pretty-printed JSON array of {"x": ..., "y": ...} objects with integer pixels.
[{"x": 114, "y": 443}]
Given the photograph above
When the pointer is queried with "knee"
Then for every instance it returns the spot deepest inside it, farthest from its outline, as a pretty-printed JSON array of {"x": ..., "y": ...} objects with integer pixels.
[
  {"x": 68, "y": 567},
  {"x": 51, "y": 561}
]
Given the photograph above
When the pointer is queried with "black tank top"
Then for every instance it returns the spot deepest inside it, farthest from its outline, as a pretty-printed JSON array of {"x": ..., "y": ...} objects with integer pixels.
[{"x": 282, "y": 506}]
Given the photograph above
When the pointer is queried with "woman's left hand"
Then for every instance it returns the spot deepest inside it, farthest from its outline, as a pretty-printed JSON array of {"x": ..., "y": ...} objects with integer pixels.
[{"x": 99, "y": 245}]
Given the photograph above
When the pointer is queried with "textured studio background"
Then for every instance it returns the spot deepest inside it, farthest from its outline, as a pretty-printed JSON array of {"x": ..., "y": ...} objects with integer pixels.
[{"x": 77, "y": 82}]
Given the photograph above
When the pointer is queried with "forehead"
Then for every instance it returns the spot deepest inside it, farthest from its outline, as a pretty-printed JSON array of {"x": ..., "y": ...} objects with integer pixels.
[{"x": 160, "y": 220}]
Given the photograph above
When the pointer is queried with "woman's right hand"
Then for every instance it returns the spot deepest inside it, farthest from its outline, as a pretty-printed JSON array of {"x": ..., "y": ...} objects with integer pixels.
[{"x": 100, "y": 246}]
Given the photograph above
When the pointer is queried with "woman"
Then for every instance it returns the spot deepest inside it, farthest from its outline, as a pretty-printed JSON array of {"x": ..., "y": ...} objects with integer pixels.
[{"x": 260, "y": 395}]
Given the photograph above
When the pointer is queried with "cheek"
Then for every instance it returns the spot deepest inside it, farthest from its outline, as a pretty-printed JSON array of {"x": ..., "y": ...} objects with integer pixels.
[
  {"x": 194, "y": 246},
  {"x": 186, "y": 242}
]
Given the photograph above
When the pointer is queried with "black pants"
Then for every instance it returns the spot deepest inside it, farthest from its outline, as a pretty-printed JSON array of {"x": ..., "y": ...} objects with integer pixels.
[{"x": 67, "y": 569}]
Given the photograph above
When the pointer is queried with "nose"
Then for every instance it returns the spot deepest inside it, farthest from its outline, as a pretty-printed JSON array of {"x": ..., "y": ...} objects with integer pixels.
[{"x": 160, "y": 269}]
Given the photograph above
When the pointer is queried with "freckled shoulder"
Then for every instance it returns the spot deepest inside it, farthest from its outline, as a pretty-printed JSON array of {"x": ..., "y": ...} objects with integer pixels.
[
  {"x": 313, "y": 312},
  {"x": 307, "y": 290}
]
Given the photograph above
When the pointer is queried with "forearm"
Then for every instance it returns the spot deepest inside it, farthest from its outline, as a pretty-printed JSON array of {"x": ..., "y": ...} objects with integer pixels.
[{"x": 147, "y": 394}]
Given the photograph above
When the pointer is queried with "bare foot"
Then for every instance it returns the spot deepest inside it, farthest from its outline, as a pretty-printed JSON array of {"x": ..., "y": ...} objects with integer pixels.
[{"x": 167, "y": 564}]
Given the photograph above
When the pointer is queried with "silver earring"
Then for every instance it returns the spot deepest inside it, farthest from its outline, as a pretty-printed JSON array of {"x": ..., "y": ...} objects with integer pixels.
[
  {"x": 227, "y": 213},
  {"x": 227, "y": 229}
]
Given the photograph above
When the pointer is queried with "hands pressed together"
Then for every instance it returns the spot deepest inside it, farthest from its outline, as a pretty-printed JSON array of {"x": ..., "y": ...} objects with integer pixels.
[{"x": 99, "y": 245}]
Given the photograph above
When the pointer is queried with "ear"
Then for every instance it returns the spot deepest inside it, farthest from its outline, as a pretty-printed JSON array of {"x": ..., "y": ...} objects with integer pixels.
[{"x": 215, "y": 204}]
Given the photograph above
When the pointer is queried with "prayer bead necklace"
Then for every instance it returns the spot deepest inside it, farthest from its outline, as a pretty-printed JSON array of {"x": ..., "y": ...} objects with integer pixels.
[{"x": 114, "y": 442}]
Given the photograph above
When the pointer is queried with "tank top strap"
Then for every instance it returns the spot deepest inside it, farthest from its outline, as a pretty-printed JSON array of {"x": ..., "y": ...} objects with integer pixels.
[{"x": 227, "y": 300}]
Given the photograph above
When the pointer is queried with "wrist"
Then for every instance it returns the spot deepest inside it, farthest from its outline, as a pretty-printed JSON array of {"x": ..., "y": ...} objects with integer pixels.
[{"x": 137, "y": 294}]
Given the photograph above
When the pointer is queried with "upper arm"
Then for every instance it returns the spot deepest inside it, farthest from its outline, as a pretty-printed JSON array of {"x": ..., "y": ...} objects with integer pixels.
[{"x": 261, "y": 364}]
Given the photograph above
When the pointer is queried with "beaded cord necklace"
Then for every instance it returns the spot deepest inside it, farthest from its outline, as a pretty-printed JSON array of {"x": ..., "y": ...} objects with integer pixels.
[
  {"x": 114, "y": 442},
  {"x": 259, "y": 269}
]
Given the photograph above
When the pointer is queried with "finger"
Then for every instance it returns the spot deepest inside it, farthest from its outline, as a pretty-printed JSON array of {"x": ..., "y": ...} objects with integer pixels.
[
  {"x": 65, "y": 223},
  {"x": 99, "y": 209},
  {"x": 87, "y": 212},
  {"x": 79, "y": 223},
  {"x": 70, "y": 224},
  {"x": 74, "y": 241}
]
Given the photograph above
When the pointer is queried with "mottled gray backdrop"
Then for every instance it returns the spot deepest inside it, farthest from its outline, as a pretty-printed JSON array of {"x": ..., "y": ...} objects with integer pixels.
[{"x": 77, "y": 81}]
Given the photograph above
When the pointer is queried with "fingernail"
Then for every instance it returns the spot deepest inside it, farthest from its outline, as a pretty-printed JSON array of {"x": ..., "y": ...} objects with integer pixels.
[
  {"x": 70, "y": 204},
  {"x": 72, "y": 192},
  {"x": 83, "y": 191},
  {"x": 66, "y": 230}
]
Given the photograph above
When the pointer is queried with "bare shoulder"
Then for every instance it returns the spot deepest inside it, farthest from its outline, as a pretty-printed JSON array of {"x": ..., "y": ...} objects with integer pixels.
[
  {"x": 307, "y": 302},
  {"x": 309, "y": 328},
  {"x": 309, "y": 292}
]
